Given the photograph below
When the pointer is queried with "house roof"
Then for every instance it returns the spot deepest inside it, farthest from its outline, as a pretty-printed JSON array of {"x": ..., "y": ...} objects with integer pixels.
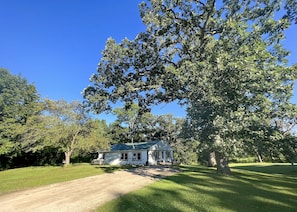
[{"x": 133, "y": 146}]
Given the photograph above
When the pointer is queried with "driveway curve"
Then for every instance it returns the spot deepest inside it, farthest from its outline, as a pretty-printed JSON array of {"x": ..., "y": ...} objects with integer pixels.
[{"x": 84, "y": 194}]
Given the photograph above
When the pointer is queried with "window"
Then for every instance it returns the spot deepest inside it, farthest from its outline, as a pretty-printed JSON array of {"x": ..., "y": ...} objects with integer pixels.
[
  {"x": 136, "y": 156},
  {"x": 124, "y": 156}
]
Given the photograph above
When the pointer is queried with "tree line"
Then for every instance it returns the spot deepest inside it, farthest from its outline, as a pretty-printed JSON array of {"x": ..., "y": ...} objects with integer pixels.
[{"x": 36, "y": 131}]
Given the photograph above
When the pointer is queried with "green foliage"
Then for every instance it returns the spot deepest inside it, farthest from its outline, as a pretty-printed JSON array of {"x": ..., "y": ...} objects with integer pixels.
[
  {"x": 118, "y": 133},
  {"x": 128, "y": 117},
  {"x": 185, "y": 152},
  {"x": 18, "y": 103},
  {"x": 183, "y": 42},
  {"x": 288, "y": 147},
  {"x": 196, "y": 188},
  {"x": 67, "y": 128},
  {"x": 133, "y": 124},
  {"x": 35, "y": 132},
  {"x": 95, "y": 136},
  {"x": 17, "y": 97}
]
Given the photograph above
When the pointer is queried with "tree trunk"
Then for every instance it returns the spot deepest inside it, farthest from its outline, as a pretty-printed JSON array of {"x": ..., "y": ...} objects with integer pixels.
[
  {"x": 222, "y": 164},
  {"x": 212, "y": 159},
  {"x": 67, "y": 158},
  {"x": 259, "y": 157}
]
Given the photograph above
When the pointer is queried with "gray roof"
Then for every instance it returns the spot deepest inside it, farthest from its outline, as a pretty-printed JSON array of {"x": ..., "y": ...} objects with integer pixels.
[{"x": 133, "y": 146}]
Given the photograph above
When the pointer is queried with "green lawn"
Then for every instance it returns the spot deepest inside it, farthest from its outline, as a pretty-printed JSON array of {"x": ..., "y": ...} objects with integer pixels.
[
  {"x": 22, "y": 178},
  {"x": 252, "y": 187}
]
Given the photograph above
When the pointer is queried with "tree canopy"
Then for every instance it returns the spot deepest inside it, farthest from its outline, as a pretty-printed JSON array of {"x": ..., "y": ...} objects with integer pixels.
[
  {"x": 34, "y": 131},
  {"x": 18, "y": 102},
  {"x": 223, "y": 60},
  {"x": 68, "y": 128}
]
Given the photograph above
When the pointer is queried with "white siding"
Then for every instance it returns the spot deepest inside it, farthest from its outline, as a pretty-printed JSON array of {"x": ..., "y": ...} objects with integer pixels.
[
  {"x": 160, "y": 152},
  {"x": 138, "y": 157},
  {"x": 114, "y": 158}
]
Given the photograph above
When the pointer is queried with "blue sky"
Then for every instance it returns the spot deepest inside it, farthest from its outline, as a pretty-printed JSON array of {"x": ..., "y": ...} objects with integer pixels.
[{"x": 57, "y": 44}]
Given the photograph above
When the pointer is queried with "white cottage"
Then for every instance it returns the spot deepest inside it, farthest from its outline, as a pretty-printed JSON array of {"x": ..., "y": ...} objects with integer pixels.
[{"x": 145, "y": 153}]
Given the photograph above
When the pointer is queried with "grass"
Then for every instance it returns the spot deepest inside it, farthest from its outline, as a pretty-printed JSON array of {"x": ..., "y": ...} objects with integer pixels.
[
  {"x": 252, "y": 187},
  {"x": 29, "y": 177}
]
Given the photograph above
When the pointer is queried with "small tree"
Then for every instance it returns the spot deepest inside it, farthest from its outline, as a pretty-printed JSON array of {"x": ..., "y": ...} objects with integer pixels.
[{"x": 65, "y": 127}]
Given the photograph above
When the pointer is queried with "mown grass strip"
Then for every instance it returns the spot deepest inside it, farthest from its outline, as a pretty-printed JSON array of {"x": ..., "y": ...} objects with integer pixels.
[
  {"x": 29, "y": 177},
  {"x": 252, "y": 187}
]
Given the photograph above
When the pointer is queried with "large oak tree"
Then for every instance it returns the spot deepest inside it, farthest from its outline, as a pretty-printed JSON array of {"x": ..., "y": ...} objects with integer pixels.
[{"x": 224, "y": 60}]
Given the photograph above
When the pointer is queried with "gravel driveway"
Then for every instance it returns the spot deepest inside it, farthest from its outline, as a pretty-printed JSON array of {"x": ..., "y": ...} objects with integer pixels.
[{"x": 84, "y": 194}]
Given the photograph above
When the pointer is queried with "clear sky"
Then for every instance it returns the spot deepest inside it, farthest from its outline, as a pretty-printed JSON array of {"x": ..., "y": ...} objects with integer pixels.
[{"x": 57, "y": 44}]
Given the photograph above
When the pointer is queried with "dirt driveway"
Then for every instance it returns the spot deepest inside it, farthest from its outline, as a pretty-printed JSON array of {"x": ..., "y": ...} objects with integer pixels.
[{"x": 84, "y": 194}]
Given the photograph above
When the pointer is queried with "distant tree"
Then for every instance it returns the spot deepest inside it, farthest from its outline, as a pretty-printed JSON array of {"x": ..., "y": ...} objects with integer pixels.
[
  {"x": 177, "y": 132},
  {"x": 286, "y": 124},
  {"x": 167, "y": 127},
  {"x": 269, "y": 139},
  {"x": 118, "y": 133},
  {"x": 225, "y": 61},
  {"x": 134, "y": 125},
  {"x": 95, "y": 136},
  {"x": 128, "y": 116},
  {"x": 147, "y": 127},
  {"x": 18, "y": 102},
  {"x": 186, "y": 151},
  {"x": 289, "y": 148}
]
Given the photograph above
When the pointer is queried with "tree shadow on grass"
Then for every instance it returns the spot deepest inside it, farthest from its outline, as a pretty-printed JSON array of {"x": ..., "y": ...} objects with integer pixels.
[
  {"x": 201, "y": 189},
  {"x": 288, "y": 170}
]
